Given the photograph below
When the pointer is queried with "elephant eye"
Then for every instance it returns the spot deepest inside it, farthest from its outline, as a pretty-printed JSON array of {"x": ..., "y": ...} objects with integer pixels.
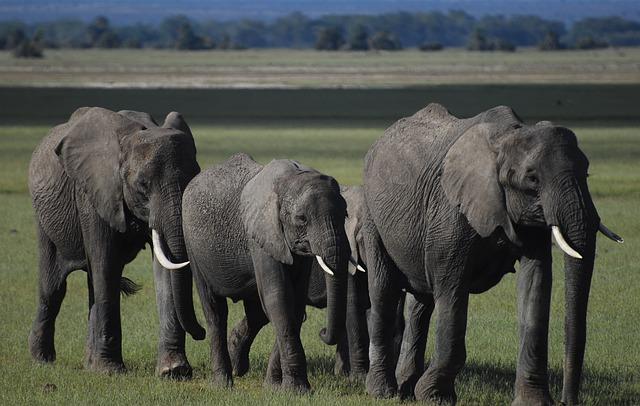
[
  {"x": 300, "y": 219},
  {"x": 532, "y": 180}
]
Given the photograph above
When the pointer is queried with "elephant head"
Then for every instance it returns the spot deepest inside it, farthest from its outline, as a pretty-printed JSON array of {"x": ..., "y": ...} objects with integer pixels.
[
  {"x": 289, "y": 209},
  {"x": 354, "y": 197},
  {"x": 506, "y": 175},
  {"x": 133, "y": 172}
]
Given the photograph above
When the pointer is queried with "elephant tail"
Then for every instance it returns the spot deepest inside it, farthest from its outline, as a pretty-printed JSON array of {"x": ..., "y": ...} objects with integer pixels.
[{"x": 128, "y": 287}]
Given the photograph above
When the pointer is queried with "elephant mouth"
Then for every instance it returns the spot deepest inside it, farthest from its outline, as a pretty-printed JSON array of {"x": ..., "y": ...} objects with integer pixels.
[
  {"x": 302, "y": 248},
  {"x": 533, "y": 216}
]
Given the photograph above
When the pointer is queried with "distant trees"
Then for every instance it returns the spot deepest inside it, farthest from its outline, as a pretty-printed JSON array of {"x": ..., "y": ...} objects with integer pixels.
[
  {"x": 329, "y": 39},
  {"x": 358, "y": 38},
  {"x": 426, "y": 30},
  {"x": 479, "y": 42},
  {"x": 383, "y": 40},
  {"x": 550, "y": 42}
]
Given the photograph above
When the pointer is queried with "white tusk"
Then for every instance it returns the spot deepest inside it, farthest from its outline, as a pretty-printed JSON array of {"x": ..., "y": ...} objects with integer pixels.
[
  {"x": 323, "y": 265},
  {"x": 355, "y": 263},
  {"x": 162, "y": 259},
  {"x": 615, "y": 237},
  {"x": 361, "y": 269},
  {"x": 564, "y": 246}
]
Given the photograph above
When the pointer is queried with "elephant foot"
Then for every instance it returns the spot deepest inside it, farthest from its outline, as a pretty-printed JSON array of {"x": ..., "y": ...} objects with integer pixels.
[
  {"x": 106, "y": 366},
  {"x": 406, "y": 387},
  {"x": 41, "y": 348},
  {"x": 239, "y": 360},
  {"x": 358, "y": 376},
  {"x": 298, "y": 385},
  {"x": 535, "y": 398},
  {"x": 341, "y": 368},
  {"x": 379, "y": 385},
  {"x": 439, "y": 391},
  {"x": 273, "y": 380},
  {"x": 223, "y": 380},
  {"x": 174, "y": 365}
]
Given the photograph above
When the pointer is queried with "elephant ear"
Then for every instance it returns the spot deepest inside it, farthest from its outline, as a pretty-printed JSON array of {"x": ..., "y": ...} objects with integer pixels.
[
  {"x": 90, "y": 155},
  {"x": 143, "y": 118},
  {"x": 350, "y": 228},
  {"x": 176, "y": 121},
  {"x": 260, "y": 205},
  {"x": 470, "y": 182}
]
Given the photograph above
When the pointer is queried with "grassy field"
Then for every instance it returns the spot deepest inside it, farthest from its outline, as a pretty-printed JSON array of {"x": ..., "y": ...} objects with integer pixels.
[
  {"x": 613, "y": 354},
  {"x": 309, "y": 68}
]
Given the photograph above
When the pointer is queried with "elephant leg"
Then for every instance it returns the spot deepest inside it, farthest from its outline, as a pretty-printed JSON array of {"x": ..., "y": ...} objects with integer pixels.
[
  {"x": 104, "y": 342},
  {"x": 437, "y": 383},
  {"x": 398, "y": 328},
  {"x": 273, "y": 378},
  {"x": 52, "y": 286},
  {"x": 414, "y": 342},
  {"x": 534, "y": 297},
  {"x": 357, "y": 334},
  {"x": 172, "y": 358},
  {"x": 216, "y": 313},
  {"x": 384, "y": 294},
  {"x": 283, "y": 300},
  {"x": 342, "y": 366},
  {"x": 105, "y": 331},
  {"x": 243, "y": 334}
]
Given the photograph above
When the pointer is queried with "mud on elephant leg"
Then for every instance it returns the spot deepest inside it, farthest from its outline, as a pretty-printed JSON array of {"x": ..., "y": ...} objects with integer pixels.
[
  {"x": 414, "y": 342},
  {"x": 243, "y": 334},
  {"x": 172, "y": 358},
  {"x": 51, "y": 292}
]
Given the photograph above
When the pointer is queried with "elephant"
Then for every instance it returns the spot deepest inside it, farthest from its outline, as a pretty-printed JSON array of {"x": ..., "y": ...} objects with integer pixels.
[
  {"x": 451, "y": 205},
  {"x": 103, "y": 185},
  {"x": 251, "y": 233},
  {"x": 352, "y": 348}
]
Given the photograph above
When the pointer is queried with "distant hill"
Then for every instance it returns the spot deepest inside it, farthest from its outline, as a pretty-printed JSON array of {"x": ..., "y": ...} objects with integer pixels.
[{"x": 128, "y": 11}]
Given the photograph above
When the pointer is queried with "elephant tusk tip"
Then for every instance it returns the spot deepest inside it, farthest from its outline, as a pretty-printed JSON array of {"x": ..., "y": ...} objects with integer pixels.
[
  {"x": 361, "y": 269},
  {"x": 324, "y": 266}
]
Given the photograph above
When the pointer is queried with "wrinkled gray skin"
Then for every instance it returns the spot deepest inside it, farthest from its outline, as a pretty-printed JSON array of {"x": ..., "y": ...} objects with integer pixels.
[
  {"x": 352, "y": 350},
  {"x": 452, "y": 205},
  {"x": 252, "y": 232},
  {"x": 98, "y": 183}
]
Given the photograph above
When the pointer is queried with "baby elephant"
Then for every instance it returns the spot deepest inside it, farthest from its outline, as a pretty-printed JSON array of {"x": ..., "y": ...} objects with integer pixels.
[
  {"x": 251, "y": 233},
  {"x": 352, "y": 348}
]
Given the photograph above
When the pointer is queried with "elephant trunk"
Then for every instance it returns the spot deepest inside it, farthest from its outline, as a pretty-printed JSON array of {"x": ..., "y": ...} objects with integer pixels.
[
  {"x": 181, "y": 279},
  {"x": 332, "y": 246},
  {"x": 578, "y": 221}
]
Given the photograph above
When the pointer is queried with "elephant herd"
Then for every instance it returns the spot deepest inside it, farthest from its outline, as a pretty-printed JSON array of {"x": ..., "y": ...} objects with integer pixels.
[{"x": 446, "y": 209}]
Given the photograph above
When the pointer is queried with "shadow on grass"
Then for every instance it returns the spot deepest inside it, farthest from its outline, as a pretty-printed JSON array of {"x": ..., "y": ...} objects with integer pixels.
[{"x": 599, "y": 387}]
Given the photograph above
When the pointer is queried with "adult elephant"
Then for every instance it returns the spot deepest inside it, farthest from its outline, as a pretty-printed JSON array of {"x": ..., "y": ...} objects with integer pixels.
[
  {"x": 352, "y": 348},
  {"x": 103, "y": 185},
  {"x": 452, "y": 204},
  {"x": 252, "y": 232}
]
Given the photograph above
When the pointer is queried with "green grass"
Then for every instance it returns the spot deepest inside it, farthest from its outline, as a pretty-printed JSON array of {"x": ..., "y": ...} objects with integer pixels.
[
  {"x": 612, "y": 375},
  {"x": 309, "y": 68}
]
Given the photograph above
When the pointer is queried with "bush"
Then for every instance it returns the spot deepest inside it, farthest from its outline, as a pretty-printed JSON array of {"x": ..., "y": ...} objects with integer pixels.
[
  {"x": 590, "y": 43},
  {"x": 478, "y": 42},
  {"x": 503, "y": 45},
  {"x": 386, "y": 41},
  {"x": 431, "y": 46},
  {"x": 28, "y": 49},
  {"x": 329, "y": 39},
  {"x": 550, "y": 42},
  {"x": 358, "y": 39}
]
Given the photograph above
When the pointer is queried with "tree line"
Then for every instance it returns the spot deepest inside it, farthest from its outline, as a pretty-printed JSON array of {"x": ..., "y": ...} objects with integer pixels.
[{"x": 428, "y": 31}]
